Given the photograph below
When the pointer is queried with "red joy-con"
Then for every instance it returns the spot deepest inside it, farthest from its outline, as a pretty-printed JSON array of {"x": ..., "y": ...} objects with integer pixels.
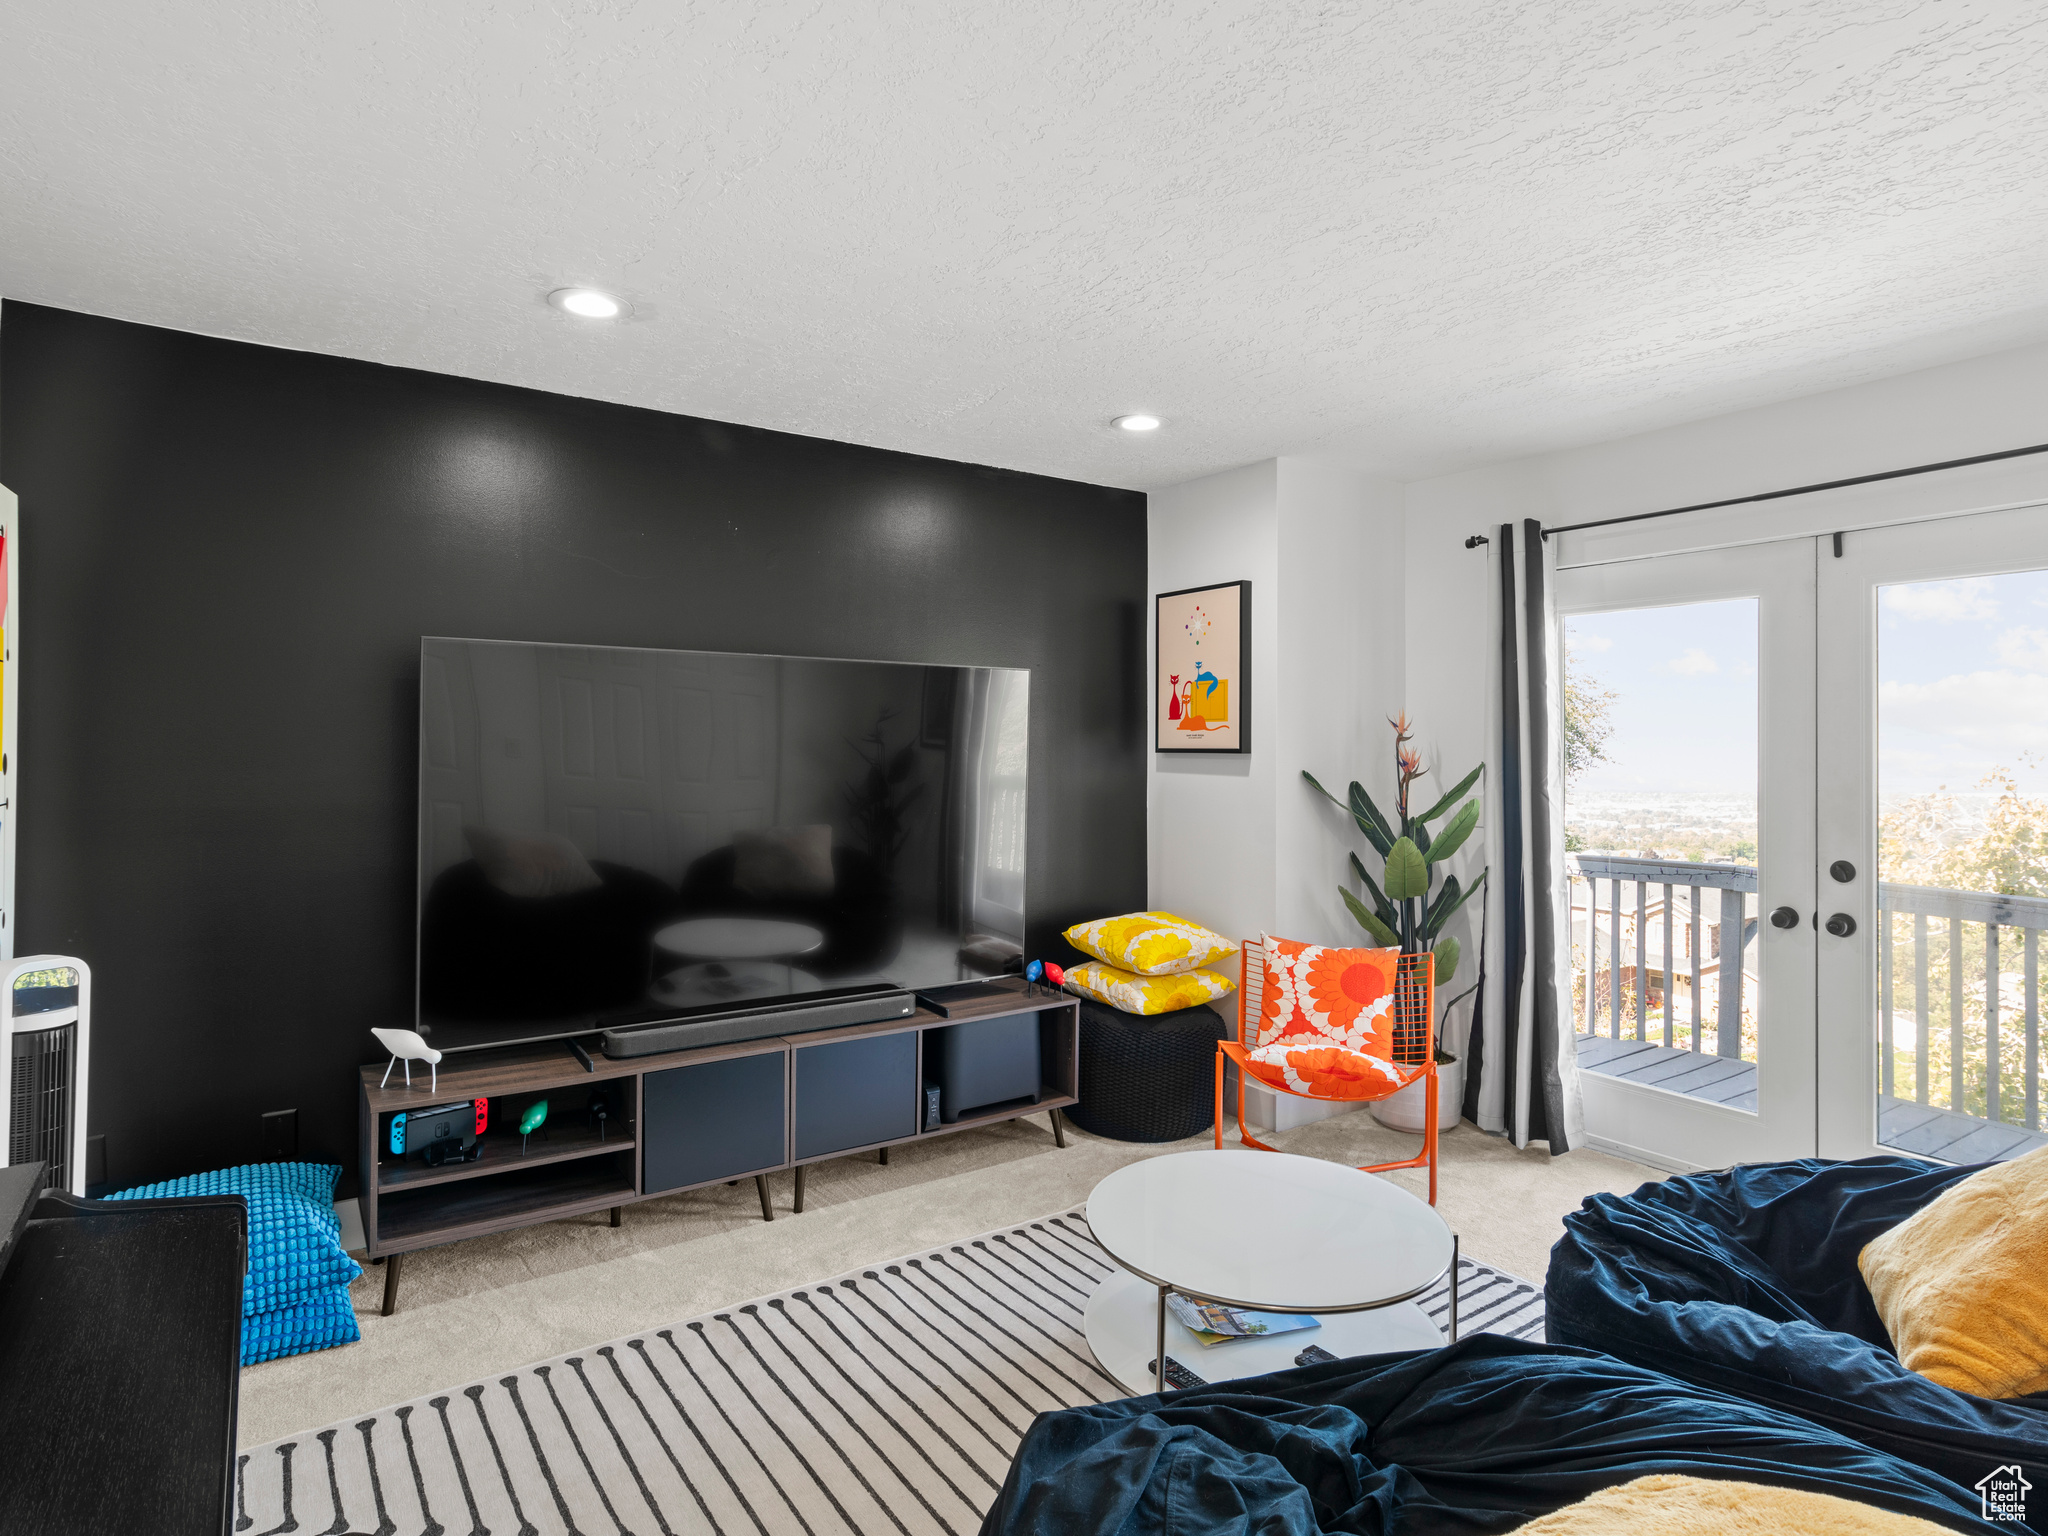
[{"x": 483, "y": 1113}]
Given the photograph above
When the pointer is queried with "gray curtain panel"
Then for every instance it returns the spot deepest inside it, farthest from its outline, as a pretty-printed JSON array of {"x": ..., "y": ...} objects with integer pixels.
[{"x": 1522, "y": 1072}]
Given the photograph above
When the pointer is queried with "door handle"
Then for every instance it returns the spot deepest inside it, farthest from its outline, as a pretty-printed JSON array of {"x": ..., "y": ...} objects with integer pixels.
[
  {"x": 1784, "y": 917},
  {"x": 1841, "y": 925}
]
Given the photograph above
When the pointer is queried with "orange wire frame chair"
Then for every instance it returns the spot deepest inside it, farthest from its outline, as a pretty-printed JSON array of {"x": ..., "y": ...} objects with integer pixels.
[{"x": 1414, "y": 1053}]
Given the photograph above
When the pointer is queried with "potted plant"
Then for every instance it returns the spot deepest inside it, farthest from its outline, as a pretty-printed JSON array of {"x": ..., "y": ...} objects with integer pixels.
[{"x": 1402, "y": 913}]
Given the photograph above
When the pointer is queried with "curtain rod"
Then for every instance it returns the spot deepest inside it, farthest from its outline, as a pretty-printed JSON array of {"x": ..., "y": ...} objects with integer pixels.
[{"x": 1478, "y": 539}]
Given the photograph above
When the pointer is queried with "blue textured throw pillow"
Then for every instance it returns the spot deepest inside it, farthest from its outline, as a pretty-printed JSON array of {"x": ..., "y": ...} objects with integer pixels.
[
  {"x": 294, "y": 1240},
  {"x": 321, "y": 1322}
]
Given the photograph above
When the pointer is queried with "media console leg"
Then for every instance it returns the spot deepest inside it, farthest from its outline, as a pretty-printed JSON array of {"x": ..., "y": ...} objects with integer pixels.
[
  {"x": 761, "y": 1189},
  {"x": 391, "y": 1283},
  {"x": 618, "y": 1215},
  {"x": 1059, "y": 1129},
  {"x": 885, "y": 1157},
  {"x": 800, "y": 1188}
]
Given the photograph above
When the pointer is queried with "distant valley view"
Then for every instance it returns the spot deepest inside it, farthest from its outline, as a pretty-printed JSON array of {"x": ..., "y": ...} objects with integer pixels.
[
  {"x": 1707, "y": 828},
  {"x": 1692, "y": 828}
]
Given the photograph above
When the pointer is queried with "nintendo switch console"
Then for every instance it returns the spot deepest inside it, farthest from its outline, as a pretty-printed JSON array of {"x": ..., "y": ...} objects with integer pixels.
[{"x": 441, "y": 1132}]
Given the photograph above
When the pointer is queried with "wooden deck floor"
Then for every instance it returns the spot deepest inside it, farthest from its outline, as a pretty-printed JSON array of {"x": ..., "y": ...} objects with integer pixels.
[
  {"x": 1924, "y": 1129},
  {"x": 1716, "y": 1079}
]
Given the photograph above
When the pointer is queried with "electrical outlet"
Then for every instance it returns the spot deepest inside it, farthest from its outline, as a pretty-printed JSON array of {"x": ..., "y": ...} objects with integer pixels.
[{"x": 281, "y": 1136}]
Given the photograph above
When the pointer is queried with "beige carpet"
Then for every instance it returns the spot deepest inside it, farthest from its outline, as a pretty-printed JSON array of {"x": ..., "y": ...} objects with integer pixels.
[{"x": 475, "y": 1309}]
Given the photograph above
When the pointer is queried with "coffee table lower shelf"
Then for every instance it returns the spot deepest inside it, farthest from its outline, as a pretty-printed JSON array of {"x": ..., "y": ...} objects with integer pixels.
[{"x": 1122, "y": 1324}]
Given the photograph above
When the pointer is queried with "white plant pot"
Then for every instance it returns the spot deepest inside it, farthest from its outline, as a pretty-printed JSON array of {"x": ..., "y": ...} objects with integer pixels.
[{"x": 1408, "y": 1110}]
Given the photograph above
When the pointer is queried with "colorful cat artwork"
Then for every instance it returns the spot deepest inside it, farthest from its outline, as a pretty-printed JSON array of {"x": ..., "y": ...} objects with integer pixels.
[
  {"x": 1203, "y": 705},
  {"x": 1202, "y": 669}
]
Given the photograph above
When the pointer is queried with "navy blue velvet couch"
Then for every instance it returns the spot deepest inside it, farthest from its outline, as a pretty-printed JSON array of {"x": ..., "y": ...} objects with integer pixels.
[
  {"x": 1745, "y": 1282},
  {"x": 1481, "y": 1436}
]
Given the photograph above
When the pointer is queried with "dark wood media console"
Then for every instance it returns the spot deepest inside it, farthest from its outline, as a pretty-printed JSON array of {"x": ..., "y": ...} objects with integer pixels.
[{"x": 680, "y": 1121}]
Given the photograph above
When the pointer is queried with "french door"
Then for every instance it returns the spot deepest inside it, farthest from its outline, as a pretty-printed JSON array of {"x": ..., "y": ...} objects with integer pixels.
[
  {"x": 1689, "y": 823},
  {"x": 1932, "y": 723},
  {"x": 1807, "y": 814}
]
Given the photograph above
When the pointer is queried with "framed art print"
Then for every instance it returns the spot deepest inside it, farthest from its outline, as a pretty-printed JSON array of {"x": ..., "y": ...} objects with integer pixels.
[{"x": 1201, "y": 695}]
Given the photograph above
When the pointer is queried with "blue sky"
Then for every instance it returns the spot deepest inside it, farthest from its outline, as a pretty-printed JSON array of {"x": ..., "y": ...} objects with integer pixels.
[
  {"x": 1962, "y": 682},
  {"x": 1685, "y": 718},
  {"x": 1962, "y": 687}
]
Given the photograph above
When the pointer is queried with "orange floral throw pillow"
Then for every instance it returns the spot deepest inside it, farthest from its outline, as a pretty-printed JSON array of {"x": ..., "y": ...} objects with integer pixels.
[
  {"x": 1340, "y": 997},
  {"x": 1325, "y": 1023},
  {"x": 1323, "y": 1071}
]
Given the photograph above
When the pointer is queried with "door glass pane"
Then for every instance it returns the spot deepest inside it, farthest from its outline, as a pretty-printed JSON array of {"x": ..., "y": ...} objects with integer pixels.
[
  {"x": 1962, "y": 850},
  {"x": 1661, "y": 840}
]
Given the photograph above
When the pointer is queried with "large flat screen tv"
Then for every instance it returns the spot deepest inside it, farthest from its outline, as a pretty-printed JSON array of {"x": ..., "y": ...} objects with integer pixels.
[{"x": 610, "y": 838}]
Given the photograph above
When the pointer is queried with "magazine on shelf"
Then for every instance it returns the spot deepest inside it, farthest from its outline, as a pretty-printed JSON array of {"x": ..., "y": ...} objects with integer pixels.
[{"x": 1212, "y": 1323}]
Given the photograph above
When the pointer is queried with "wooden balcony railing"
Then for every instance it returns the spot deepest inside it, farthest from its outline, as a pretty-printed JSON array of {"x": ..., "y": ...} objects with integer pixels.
[
  {"x": 1634, "y": 877},
  {"x": 1950, "y": 950},
  {"x": 1977, "y": 1069}
]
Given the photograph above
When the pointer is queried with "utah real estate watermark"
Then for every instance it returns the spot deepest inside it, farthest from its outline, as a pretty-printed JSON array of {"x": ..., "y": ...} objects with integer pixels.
[{"x": 2004, "y": 1490}]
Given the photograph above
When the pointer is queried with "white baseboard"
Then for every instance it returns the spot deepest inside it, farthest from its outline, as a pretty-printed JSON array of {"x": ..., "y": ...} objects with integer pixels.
[
  {"x": 350, "y": 1215},
  {"x": 1266, "y": 1110},
  {"x": 1656, "y": 1160}
]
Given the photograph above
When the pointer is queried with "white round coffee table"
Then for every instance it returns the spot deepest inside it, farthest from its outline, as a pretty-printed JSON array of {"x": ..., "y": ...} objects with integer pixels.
[{"x": 1266, "y": 1231}]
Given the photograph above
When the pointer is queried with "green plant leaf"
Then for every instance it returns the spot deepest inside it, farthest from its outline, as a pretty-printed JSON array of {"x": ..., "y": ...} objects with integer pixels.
[
  {"x": 1366, "y": 814},
  {"x": 1446, "y": 900},
  {"x": 1446, "y": 952},
  {"x": 1368, "y": 921},
  {"x": 1450, "y": 799},
  {"x": 1450, "y": 908},
  {"x": 1407, "y": 871},
  {"x": 1380, "y": 904},
  {"x": 1453, "y": 836},
  {"x": 1370, "y": 821}
]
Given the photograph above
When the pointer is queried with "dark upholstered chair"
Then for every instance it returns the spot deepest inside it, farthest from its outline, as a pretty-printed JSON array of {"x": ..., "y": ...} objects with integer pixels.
[
  {"x": 1745, "y": 1282},
  {"x": 1481, "y": 1436}
]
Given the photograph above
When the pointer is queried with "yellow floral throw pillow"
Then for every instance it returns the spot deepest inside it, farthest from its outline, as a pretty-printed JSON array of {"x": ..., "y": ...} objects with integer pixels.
[
  {"x": 1146, "y": 994},
  {"x": 1150, "y": 943},
  {"x": 1962, "y": 1283}
]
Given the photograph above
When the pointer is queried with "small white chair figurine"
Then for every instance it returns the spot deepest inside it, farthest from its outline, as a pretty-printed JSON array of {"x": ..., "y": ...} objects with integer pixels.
[{"x": 408, "y": 1047}]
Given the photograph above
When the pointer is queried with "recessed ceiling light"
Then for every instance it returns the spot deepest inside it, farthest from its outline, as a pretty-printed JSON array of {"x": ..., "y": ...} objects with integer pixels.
[
  {"x": 1137, "y": 423},
  {"x": 589, "y": 303}
]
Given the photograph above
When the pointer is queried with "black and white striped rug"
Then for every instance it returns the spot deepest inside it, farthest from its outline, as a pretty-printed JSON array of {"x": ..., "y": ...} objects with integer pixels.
[{"x": 886, "y": 1400}]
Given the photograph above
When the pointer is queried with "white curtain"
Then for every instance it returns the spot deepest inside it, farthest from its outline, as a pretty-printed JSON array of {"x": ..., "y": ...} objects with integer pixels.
[{"x": 1522, "y": 1072}]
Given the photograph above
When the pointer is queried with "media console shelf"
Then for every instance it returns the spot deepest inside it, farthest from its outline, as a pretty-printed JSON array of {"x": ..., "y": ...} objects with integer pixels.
[{"x": 680, "y": 1121}]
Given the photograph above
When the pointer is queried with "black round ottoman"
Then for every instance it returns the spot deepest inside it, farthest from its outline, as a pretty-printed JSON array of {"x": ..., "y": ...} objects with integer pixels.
[{"x": 1147, "y": 1078}]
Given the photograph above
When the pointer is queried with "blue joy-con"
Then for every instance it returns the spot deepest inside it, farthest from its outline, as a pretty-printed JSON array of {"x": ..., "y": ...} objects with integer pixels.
[{"x": 398, "y": 1134}]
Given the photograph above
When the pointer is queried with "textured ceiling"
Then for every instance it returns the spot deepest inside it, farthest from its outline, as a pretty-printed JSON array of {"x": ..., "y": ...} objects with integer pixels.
[{"x": 1427, "y": 233}]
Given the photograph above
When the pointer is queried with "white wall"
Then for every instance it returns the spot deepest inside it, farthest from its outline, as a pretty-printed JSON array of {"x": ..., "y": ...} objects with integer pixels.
[
  {"x": 1239, "y": 842},
  {"x": 1210, "y": 825},
  {"x": 1955, "y": 411},
  {"x": 1342, "y": 649}
]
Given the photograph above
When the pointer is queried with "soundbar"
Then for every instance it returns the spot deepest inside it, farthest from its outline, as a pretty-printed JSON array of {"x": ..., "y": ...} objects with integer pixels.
[{"x": 687, "y": 1034}]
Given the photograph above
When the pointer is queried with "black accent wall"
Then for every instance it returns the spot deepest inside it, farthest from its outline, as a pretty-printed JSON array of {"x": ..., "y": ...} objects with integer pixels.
[{"x": 228, "y": 555}]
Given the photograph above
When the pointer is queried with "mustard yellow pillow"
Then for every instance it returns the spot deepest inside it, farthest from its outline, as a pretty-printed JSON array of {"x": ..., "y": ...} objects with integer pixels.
[
  {"x": 1150, "y": 943},
  {"x": 1665, "y": 1504},
  {"x": 1962, "y": 1283},
  {"x": 1146, "y": 994}
]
